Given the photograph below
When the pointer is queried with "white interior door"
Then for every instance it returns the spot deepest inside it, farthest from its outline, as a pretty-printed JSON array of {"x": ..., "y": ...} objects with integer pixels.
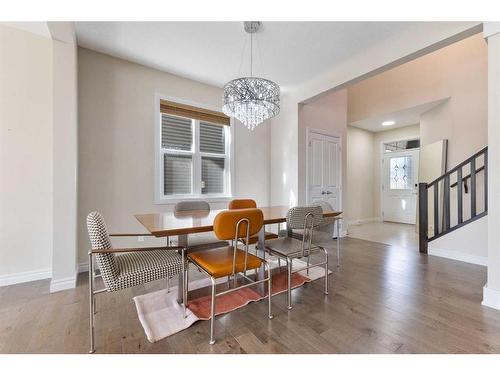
[
  {"x": 400, "y": 186},
  {"x": 324, "y": 177}
]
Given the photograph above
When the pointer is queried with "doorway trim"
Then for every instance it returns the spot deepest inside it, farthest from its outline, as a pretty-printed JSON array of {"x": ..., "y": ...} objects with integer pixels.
[
  {"x": 328, "y": 133},
  {"x": 381, "y": 164}
]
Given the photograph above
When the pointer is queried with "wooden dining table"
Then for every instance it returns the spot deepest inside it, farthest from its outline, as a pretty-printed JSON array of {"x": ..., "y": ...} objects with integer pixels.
[{"x": 185, "y": 223}]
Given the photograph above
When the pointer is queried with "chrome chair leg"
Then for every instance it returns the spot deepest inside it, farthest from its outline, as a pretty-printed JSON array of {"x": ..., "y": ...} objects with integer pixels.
[
  {"x": 289, "y": 266},
  {"x": 91, "y": 304},
  {"x": 168, "y": 284},
  {"x": 279, "y": 263},
  {"x": 183, "y": 271},
  {"x": 212, "y": 313},
  {"x": 269, "y": 291},
  {"x": 326, "y": 271},
  {"x": 338, "y": 243}
]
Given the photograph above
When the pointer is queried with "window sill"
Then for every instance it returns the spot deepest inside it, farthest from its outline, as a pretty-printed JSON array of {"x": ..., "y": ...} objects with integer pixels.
[{"x": 209, "y": 199}]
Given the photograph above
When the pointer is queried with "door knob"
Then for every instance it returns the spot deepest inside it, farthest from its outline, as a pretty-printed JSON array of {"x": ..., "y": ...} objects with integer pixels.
[
  {"x": 323, "y": 192},
  {"x": 328, "y": 192}
]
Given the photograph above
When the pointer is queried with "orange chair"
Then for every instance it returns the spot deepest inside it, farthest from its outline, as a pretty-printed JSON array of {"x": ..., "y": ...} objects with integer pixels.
[
  {"x": 237, "y": 204},
  {"x": 230, "y": 261}
]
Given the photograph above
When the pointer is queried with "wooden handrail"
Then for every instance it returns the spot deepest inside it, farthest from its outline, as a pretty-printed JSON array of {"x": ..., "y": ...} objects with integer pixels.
[{"x": 466, "y": 177}]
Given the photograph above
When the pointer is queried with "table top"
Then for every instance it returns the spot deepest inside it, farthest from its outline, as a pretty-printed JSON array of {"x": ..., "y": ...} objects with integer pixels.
[{"x": 187, "y": 222}]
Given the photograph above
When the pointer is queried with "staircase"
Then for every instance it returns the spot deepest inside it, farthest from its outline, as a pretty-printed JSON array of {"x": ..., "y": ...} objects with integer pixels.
[{"x": 455, "y": 199}]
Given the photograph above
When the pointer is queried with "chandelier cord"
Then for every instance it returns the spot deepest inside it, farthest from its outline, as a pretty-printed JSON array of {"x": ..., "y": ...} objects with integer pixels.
[{"x": 251, "y": 54}]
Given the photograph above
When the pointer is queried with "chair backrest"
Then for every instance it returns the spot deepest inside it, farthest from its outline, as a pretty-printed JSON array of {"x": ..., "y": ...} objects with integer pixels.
[
  {"x": 192, "y": 206},
  {"x": 225, "y": 223},
  {"x": 327, "y": 221},
  {"x": 237, "y": 224},
  {"x": 237, "y": 204},
  {"x": 99, "y": 239},
  {"x": 305, "y": 218},
  {"x": 324, "y": 205},
  {"x": 296, "y": 217}
]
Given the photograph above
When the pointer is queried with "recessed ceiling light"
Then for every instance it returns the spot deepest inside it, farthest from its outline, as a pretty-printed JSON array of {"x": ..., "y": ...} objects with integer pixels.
[{"x": 388, "y": 123}]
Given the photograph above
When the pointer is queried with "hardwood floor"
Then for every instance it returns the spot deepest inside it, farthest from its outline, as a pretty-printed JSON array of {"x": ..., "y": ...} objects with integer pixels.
[{"x": 383, "y": 299}]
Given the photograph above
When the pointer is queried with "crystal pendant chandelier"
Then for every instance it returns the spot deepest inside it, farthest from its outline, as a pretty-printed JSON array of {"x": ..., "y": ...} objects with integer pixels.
[{"x": 251, "y": 100}]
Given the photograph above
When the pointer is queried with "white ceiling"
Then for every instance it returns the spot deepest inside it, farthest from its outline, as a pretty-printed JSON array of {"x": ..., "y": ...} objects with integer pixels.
[
  {"x": 212, "y": 52},
  {"x": 39, "y": 28},
  {"x": 404, "y": 117}
]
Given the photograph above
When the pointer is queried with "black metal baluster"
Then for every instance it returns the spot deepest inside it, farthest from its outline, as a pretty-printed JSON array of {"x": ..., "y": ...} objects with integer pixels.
[
  {"x": 472, "y": 188},
  {"x": 422, "y": 217},
  {"x": 446, "y": 187},
  {"x": 460, "y": 189},
  {"x": 436, "y": 208}
]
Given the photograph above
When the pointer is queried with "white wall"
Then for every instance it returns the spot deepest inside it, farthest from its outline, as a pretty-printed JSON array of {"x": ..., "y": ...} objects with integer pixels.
[
  {"x": 116, "y": 142},
  {"x": 467, "y": 244},
  {"x": 491, "y": 291},
  {"x": 327, "y": 113},
  {"x": 26, "y": 170}
]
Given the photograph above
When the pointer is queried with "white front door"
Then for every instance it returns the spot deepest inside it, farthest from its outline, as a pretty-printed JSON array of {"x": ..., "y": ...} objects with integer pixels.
[
  {"x": 400, "y": 186},
  {"x": 324, "y": 169}
]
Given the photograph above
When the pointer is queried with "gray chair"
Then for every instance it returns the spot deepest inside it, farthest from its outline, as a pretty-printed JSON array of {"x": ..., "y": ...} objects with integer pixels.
[
  {"x": 328, "y": 226},
  {"x": 290, "y": 248},
  {"x": 200, "y": 241},
  {"x": 125, "y": 268}
]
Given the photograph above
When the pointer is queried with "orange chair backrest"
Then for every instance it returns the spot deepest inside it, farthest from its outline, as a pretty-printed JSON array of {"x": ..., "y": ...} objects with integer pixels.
[
  {"x": 225, "y": 223},
  {"x": 237, "y": 204}
]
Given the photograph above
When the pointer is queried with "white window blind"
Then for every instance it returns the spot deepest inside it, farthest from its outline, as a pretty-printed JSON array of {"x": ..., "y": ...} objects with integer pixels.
[
  {"x": 212, "y": 138},
  {"x": 176, "y": 133},
  {"x": 212, "y": 175},
  {"x": 194, "y": 157},
  {"x": 177, "y": 174}
]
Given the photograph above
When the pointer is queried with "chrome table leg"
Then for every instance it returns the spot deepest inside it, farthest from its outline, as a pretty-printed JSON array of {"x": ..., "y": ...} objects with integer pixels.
[
  {"x": 182, "y": 241},
  {"x": 261, "y": 252}
]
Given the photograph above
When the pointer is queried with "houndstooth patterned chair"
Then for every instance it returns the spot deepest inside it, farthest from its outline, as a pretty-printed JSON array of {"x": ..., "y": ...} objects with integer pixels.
[
  {"x": 328, "y": 226},
  {"x": 125, "y": 268},
  {"x": 306, "y": 219}
]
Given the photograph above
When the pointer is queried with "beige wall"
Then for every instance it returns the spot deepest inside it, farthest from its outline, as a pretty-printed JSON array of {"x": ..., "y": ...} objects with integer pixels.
[
  {"x": 364, "y": 169},
  {"x": 391, "y": 52},
  {"x": 25, "y": 155},
  {"x": 360, "y": 175},
  {"x": 457, "y": 72},
  {"x": 65, "y": 164},
  {"x": 327, "y": 113},
  {"x": 116, "y": 142}
]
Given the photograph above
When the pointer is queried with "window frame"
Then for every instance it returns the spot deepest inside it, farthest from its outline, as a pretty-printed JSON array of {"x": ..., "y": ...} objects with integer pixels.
[{"x": 160, "y": 197}]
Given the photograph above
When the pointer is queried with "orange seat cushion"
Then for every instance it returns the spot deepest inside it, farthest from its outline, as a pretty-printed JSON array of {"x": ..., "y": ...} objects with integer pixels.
[
  {"x": 219, "y": 262},
  {"x": 268, "y": 236}
]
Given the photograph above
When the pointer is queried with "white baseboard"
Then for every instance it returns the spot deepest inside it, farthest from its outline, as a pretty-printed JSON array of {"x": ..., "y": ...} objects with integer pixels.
[
  {"x": 363, "y": 221},
  {"x": 83, "y": 267},
  {"x": 491, "y": 297},
  {"x": 63, "y": 284},
  {"x": 455, "y": 255},
  {"x": 24, "y": 277}
]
